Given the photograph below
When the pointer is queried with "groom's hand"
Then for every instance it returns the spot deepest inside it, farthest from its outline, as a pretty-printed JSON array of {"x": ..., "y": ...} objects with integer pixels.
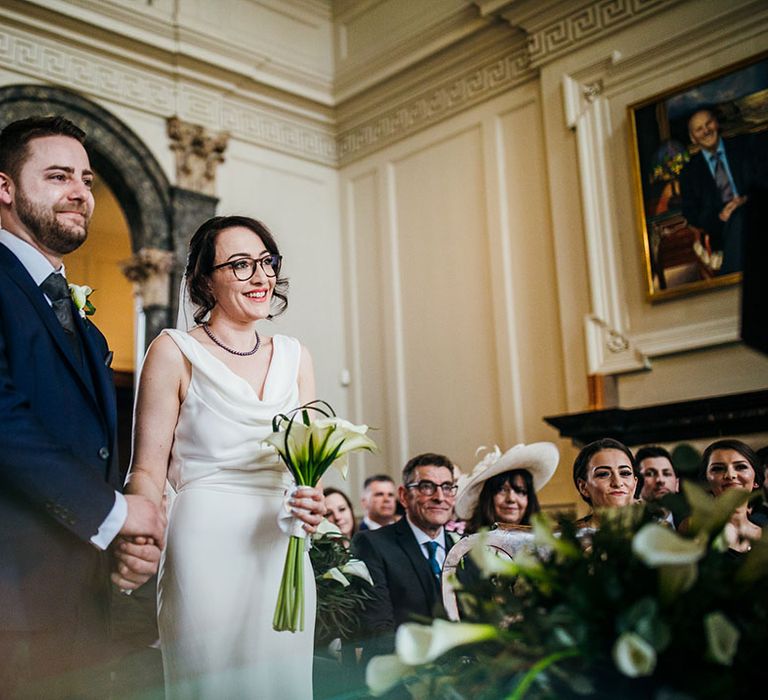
[
  {"x": 136, "y": 560},
  {"x": 308, "y": 504},
  {"x": 145, "y": 519}
]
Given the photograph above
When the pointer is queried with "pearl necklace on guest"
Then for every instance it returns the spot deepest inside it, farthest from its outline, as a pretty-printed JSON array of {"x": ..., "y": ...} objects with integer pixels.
[{"x": 253, "y": 351}]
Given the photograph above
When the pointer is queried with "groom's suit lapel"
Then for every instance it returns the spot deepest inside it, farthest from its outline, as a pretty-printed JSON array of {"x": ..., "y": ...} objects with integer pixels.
[{"x": 18, "y": 274}]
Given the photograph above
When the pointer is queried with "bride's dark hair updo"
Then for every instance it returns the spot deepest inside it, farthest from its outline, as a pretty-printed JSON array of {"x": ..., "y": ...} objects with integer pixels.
[{"x": 202, "y": 253}]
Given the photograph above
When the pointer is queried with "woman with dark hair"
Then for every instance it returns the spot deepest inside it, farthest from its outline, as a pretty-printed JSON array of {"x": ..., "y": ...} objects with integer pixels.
[
  {"x": 732, "y": 464},
  {"x": 501, "y": 490},
  {"x": 605, "y": 476},
  {"x": 205, "y": 403},
  {"x": 340, "y": 512}
]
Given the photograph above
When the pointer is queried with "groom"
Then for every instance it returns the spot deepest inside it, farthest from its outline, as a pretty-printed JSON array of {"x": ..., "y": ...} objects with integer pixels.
[{"x": 60, "y": 506}]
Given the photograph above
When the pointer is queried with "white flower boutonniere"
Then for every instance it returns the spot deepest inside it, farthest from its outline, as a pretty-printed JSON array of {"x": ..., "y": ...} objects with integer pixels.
[{"x": 80, "y": 294}]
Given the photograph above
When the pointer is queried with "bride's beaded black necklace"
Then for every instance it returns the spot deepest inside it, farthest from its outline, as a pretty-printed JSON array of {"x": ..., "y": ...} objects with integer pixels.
[{"x": 253, "y": 351}]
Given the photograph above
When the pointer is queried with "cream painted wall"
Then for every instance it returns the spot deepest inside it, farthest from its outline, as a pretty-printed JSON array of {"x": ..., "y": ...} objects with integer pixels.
[{"x": 454, "y": 324}]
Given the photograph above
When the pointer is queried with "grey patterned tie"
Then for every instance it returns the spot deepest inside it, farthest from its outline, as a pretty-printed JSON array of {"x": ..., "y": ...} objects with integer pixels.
[
  {"x": 722, "y": 181},
  {"x": 55, "y": 288}
]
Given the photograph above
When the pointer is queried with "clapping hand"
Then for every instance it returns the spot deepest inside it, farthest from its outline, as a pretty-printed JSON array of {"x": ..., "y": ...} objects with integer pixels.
[{"x": 308, "y": 505}]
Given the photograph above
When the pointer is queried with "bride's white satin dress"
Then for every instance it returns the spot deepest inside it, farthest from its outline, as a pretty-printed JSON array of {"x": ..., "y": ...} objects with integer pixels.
[{"x": 224, "y": 557}]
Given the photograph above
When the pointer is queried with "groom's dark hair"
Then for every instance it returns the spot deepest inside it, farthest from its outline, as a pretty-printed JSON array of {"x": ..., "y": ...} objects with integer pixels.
[
  {"x": 15, "y": 138},
  {"x": 202, "y": 254}
]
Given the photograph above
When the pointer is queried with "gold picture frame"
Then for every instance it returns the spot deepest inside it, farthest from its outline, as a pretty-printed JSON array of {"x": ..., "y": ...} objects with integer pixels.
[{"x": 694, "y": 253}]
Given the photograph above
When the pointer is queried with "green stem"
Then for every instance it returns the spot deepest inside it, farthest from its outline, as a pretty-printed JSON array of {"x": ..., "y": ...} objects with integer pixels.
[
  {"x": 537, "y": 668},
  {"x": 289, "y": 611}
]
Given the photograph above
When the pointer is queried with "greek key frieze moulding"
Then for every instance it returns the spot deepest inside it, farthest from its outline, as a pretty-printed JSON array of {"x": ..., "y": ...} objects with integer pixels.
[
  {"x": 554, "y": 28},
  {"x": 198, "y": 153}
]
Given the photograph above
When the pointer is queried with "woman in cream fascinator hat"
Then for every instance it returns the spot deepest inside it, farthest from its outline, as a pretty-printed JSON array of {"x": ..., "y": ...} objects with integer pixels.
[{"x": 502, "y": 487}]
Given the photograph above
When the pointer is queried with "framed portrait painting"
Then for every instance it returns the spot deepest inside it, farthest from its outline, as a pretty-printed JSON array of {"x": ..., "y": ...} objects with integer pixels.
[{"x": 700, "y": 161}]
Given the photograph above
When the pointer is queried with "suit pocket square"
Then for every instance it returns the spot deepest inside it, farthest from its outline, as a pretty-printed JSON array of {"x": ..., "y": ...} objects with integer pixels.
[{"x": 108, "y": 359}]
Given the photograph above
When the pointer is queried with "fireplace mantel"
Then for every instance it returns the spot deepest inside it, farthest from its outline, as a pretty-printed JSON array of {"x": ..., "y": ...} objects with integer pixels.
[{"x": 712, "y": 417}]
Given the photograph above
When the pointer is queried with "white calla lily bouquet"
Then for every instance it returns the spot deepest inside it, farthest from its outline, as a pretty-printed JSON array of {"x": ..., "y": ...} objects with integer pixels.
[{"x": 309, "y": 446}]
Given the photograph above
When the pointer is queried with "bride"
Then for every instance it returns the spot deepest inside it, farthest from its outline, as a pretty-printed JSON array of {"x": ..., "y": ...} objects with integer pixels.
[{"x": 205, "y": 402}]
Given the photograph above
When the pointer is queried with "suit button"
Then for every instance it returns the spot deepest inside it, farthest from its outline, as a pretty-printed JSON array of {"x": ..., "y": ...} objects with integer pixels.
[{"x": 103, "y": 453}]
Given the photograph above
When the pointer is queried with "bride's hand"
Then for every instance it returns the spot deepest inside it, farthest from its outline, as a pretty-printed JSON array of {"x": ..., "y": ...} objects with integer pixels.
[{"x": 308, "y": 504}]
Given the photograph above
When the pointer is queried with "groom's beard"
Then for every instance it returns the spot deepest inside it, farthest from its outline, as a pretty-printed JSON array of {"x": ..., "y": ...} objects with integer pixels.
[{"x": 52, "y": 234}]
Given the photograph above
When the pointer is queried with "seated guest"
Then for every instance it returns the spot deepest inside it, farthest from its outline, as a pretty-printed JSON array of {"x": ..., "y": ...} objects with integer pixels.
[
  {"x": 732, "y": 464},
  {"x": 759, "y": 514},
  {"x": 340, "y": 512},
  {"x": 502, "y": 487},
  {"x": 405, "y": 559},
  {"x": 605, "y": 476},
  {"x": 378, "y": 502},
  {"x": 657, "y": 475}
]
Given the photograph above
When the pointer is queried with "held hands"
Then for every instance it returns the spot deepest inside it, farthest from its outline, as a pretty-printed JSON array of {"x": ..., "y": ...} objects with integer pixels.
[
  {"x": 137, "y": 550},
  {"x": 308, "y": 505},
  {"x": 136, "y": 560}
]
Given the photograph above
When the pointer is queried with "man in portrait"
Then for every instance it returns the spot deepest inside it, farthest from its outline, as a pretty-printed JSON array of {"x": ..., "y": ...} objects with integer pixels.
[{"x": 716, "y": 188}]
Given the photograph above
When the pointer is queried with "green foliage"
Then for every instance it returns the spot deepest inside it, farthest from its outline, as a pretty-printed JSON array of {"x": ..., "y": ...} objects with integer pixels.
[
  {"x": 339, "y": 607},
  {"x": 562, "y": 617}
]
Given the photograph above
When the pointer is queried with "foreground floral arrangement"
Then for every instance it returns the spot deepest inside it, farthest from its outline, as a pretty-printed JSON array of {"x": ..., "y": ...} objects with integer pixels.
[
  {"x": 343, "y": 583},
  {"x": 632, "y": 610},
  {"x": 308, "y": 448}
]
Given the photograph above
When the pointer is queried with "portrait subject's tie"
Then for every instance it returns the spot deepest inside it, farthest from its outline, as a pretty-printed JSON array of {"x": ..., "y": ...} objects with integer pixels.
[
  {"x": 722, "y": 181},
  {"x": 433, "y": 563},
  {"x": 55, "y": 288}
]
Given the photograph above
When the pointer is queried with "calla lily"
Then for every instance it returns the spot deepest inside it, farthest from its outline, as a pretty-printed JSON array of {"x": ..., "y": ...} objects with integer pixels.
[
  {"x": 418, "y": 644},
  {"x": 80, "y": 294},
  {"x": 326, "y": 527},
  {"x": 657, "y": 545},
  {"x": 675, "y": 556},
  {"x": 722, "y": 638},
  {"x": 336, "y": 575},
  {"x": 355, "y": 567},
  {"x": 633, "y": 656},
  {"x": 385, "y": 672}
]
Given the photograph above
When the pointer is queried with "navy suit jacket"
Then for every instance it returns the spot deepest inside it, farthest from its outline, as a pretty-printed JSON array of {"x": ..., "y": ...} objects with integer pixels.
[
  {"x": 701, "y": 198},
  {"x": 58, "y": 462},
  {"x": 404, "y": 585}
]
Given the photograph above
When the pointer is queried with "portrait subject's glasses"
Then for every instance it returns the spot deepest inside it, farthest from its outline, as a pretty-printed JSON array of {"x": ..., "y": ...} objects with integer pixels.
[
  {"x": 245, "y": 268},
  {"x": 428, "y": 488}
]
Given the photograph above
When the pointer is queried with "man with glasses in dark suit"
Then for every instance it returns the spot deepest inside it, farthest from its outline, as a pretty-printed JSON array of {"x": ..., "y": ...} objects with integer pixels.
[{"x": 405, "y": 559}]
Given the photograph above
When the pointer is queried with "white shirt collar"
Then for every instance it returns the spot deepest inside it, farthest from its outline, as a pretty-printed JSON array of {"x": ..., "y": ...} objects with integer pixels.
[
  {"x": 34, "y": 262},
  {"x": 422, "y": 537},
  {"x": 371, "y": 524}
]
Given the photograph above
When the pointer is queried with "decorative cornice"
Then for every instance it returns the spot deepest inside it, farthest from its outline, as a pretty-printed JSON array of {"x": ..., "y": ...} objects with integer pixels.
[
  {"x": 555, "y": 28},
  {"x": 435, "y": 104},
  {"x": 103, "y": 78}
]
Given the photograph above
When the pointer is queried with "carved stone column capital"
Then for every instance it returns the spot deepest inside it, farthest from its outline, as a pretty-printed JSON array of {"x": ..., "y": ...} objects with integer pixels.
[
  {"x": 198, "y": 152},
  {"x": 149, "y": 271}
]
